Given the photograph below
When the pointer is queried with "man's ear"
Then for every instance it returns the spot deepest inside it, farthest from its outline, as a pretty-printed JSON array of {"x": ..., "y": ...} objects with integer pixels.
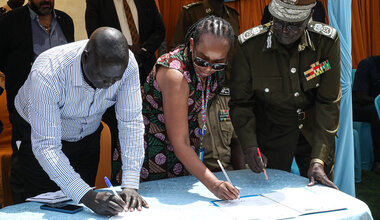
[{"x": 85, "y": 55}]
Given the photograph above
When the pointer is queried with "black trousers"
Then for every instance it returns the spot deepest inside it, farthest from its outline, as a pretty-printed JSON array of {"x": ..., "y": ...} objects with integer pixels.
[
  {"x": 17, "y": 177},
  {"x": 83, "y": 156},
  {"x": 286, "y": 144},
  {"x": 369, "y": 114}
]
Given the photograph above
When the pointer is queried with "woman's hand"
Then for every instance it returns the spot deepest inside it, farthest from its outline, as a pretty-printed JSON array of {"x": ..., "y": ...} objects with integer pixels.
[{"x": 225, "y": 190}]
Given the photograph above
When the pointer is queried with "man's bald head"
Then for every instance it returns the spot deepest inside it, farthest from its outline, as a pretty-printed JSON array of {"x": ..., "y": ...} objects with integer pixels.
[{"x": 105, "y": 57}]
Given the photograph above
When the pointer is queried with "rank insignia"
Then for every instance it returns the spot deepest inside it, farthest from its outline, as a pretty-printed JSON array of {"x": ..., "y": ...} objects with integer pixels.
[
  {"x": 317, "y": 69},
  {"x": 224, "y": 115}
]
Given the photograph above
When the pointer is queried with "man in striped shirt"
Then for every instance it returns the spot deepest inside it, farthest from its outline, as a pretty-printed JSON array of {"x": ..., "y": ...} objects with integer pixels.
[{"x": 61, "y": 105}]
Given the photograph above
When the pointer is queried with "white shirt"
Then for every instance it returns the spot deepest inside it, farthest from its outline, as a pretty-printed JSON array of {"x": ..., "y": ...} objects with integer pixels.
[
  {"x": 59, "y": 105},
  {"x": 119, "y": 5}
]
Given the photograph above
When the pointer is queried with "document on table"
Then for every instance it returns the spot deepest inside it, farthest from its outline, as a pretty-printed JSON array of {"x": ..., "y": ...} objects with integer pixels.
[
  {"x": 281, "y": 204},
  {"x": 50, "y": 197},
  {"x": 145, "y": 214},
  {"x": 255, "y": 207},
  {"x": 304, "y": 200}
]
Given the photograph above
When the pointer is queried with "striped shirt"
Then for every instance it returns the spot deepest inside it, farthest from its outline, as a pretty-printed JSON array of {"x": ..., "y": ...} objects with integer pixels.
[{"x": 59, "y": 105}]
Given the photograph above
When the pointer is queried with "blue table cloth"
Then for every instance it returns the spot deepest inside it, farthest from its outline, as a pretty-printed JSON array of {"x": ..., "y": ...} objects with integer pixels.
[{"x": 187, "y": 198}]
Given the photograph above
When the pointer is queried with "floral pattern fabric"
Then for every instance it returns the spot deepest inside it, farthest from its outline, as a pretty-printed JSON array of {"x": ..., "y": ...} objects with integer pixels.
[{"x": 160, "y": 161}]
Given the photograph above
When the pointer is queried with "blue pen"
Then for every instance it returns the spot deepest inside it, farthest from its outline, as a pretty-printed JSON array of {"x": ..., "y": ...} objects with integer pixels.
[
  {"x": 109, "y": 184},
  {"x": 111, "y": 187}
]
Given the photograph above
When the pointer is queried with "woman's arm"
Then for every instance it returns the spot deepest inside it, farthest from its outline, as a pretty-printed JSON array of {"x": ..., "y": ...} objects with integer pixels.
[{"x": 175, "y": 93}]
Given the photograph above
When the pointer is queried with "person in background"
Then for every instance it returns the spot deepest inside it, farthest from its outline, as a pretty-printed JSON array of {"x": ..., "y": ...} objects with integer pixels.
[
  {"x": 26, "y": 33},
  {"x": 139, "y": 20},
  {"x": 220, "y": 141},
  {"x": 285, "y": 92},
  {"x": 59, "y": 109},
  {"x": 11, "y": 4},
  {"x": 181, "y": 85},
  {"x": 365, "y": 89},
  {"x": 319, "y": 14},
  {"x": 142, "y": 25}
]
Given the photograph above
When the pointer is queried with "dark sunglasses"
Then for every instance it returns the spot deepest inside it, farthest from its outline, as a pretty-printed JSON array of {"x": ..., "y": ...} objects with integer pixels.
[
  {"x": 203, "y": 63},
  {"x": 294, "y": 27}
]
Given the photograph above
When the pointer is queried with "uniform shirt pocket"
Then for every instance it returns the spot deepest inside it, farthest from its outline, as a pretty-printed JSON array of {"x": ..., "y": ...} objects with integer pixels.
[{"x": 311, "y": 84}]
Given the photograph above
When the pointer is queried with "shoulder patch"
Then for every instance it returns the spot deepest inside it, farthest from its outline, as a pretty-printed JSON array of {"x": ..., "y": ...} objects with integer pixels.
[
  {"x": 255, "y": 31},
  {"x": 322, "y": 29},
  {"x": 233, "y": 10},
  {"x": 190, "y": 5}
]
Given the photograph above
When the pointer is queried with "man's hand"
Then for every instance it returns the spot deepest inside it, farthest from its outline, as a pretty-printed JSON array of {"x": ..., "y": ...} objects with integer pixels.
[
  {"x": 256, "y": 164},
  {"x": 225, "y": 190},
  {"x": 316, "y": 173},
  {"x": 133, "y": 199},
  {"x": 103, "y": 203}
]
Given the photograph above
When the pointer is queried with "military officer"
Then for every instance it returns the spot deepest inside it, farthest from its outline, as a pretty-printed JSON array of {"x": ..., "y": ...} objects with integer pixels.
[
  {"x": 193, "y": 12},
  {"x": 285, "y": 92},
  {"x": 220, "y": 140}
]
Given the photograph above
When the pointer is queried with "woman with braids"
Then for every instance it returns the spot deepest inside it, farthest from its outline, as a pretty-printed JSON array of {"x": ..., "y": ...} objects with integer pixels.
[{"x": 181, "y": 85}]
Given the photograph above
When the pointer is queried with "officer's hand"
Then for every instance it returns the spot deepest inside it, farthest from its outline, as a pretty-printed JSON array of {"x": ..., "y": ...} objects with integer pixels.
[
  {"x": 133, "y": 199},
  {"x": 317, "y": 173},
  {"x": 256, "y": 164},
  {"x": 103, "y": 203},
  {"x": 225, "y": 190}
]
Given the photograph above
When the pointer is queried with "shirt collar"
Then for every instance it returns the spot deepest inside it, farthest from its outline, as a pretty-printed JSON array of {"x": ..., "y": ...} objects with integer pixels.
[
  {"x": 209, "y": 10},
  {"x": 34, "y": 15},
  {"x": 77, "y": 67},
  {"x": 272, "y": 44}
]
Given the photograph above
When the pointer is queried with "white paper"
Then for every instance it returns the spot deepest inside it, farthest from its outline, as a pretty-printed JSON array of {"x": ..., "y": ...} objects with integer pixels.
[
  {"x": 50, "y": 197},
  {"x": 303, "y": 200},
  {"x": 255, "y": 207},
  {"x": 147, "y": 214}
]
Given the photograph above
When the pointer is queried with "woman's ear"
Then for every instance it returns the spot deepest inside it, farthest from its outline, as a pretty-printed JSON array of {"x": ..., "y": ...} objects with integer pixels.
[{"x": 191, "y": 44}]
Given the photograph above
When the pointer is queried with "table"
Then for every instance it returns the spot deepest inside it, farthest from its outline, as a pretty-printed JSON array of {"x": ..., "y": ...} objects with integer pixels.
[{"x": 187, "y": 198}]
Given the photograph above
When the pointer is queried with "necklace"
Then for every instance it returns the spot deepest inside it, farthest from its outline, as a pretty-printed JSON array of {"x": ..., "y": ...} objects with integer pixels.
[{"x": 47, "y": 29}]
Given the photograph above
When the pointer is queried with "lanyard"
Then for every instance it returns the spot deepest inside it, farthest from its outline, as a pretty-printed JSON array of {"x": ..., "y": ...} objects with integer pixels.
[{"x": 203, "y": 127}]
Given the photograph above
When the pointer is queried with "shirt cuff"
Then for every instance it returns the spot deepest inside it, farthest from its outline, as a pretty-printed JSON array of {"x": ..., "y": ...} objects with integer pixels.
[
  {"x": 131, "y": 179},
  {"x": 77, "y": 189}
]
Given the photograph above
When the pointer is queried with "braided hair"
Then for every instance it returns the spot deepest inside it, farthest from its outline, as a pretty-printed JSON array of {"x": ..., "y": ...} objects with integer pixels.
[{"x": 209, "y": 25}]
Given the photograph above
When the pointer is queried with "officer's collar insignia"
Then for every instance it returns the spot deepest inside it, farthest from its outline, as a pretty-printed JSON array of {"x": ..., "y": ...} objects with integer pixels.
[
  {"x": 305, "y": 42},
  {"x": 317, "y": 69},
  {"x": 269, "y": 40},
  {"x": 208, "y": 10},
  {"x": 225, "y": 91}
]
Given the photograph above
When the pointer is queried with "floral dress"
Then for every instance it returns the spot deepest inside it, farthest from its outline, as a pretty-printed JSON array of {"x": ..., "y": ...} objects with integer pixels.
[{"x": 160, "y": 161}]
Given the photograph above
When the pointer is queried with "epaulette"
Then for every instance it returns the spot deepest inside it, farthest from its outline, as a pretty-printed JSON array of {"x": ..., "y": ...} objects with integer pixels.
[
  {"x": 190, "y": 5},
  {"x": 322, "y": 29},
  {"x": 258, "y": 30},
  {"x": 232, "y": 9}
]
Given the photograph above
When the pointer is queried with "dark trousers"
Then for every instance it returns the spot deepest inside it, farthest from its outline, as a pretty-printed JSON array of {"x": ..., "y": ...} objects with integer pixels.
[
  {"x": 17, "y": 177},
  {"x": 83, "y": 156},
  {"x": 369, "y": 114},
  {"x": 281, "y": 148}
]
